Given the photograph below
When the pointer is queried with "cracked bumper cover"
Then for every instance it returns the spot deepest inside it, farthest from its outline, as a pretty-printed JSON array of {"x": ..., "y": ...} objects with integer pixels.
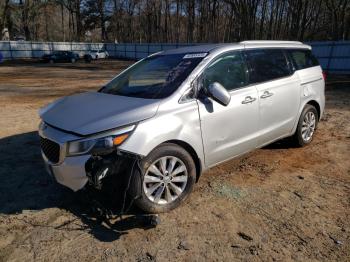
[
  {"x": 70, "y": 173},
  {"x": 75, "y": 171}
]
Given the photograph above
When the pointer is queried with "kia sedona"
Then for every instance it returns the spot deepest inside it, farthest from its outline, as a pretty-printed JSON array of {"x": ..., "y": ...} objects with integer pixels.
[{"x": 169, "y": 117}]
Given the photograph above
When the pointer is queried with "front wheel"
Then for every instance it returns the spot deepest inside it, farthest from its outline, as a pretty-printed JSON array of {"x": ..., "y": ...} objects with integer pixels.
[
  {"x": 306, "y": 126},
  {"x": 166, "y": 179}
]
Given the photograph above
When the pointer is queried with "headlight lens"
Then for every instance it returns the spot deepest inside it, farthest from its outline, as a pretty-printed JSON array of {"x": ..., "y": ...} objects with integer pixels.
[
  {"x": 98, "y": 144},
  {"x": 80, "y": 147}
]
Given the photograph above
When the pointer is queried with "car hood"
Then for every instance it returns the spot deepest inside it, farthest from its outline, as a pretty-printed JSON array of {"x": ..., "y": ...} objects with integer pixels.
[{"x": 94, "y": 112}]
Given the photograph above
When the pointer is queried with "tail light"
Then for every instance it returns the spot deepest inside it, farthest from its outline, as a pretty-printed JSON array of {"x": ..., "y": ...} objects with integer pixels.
[{"x": 324, "y": 74}]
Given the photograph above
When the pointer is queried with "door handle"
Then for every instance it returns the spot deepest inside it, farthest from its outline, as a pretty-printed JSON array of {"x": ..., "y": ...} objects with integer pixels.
[
  {"x": 266, "y": 94},
  {"x": 248, "y": 100}
]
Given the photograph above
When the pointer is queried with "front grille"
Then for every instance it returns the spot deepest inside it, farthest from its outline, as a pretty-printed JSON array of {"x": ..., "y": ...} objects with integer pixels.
[{"x": 50, "y": 149}]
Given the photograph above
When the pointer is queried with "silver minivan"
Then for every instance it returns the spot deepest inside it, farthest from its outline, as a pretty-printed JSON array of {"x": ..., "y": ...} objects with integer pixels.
[{"x": 163, "y": 121}]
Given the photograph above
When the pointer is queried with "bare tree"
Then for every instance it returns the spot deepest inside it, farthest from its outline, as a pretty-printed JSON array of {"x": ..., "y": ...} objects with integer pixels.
[{"x": 178, "y": 20}]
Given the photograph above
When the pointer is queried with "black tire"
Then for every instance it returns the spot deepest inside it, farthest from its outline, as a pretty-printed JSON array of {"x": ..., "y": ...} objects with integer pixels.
[
  {"x": 136, "y": 187},
  {"x": 51, "y": 61},
  {"x": 297, "y": 138},
  {"x": 73, "y": 60}
]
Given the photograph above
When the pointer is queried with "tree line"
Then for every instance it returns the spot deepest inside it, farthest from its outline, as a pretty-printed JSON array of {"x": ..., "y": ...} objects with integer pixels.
[{"x": 176, "y": 21}]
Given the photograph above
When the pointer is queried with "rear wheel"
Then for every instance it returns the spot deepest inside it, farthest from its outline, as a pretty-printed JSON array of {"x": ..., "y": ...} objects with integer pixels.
[
  {"x": 306, "y": 126},
  {"x": 167, "y": 177}
]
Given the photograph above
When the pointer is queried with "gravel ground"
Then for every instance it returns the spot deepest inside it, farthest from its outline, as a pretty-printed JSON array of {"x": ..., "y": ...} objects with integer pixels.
[{"x": 278, "y": 203}]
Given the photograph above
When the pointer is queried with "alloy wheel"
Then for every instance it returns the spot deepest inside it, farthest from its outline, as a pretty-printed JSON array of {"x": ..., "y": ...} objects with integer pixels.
[
  {"x": 165, "y": 180},
  {"x": 308, "y": 126}
]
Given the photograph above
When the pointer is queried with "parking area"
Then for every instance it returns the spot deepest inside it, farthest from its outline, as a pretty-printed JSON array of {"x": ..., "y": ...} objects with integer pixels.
[{"x": 278, "y": 203}]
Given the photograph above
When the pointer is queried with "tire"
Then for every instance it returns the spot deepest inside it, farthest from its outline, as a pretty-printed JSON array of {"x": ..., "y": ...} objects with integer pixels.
[
  {"x": 300, "y": 138},
  {"x": 73, "y": 60},
  {"x": 140, "y": 183},
  {"x": 51, "y": 61}
]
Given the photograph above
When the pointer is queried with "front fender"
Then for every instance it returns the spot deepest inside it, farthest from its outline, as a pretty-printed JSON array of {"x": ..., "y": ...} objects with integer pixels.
[{"x": 181, "y": 123}]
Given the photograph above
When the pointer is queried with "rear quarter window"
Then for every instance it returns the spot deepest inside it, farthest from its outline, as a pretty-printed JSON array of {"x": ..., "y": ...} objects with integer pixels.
[{"x": 303, "y": 59}]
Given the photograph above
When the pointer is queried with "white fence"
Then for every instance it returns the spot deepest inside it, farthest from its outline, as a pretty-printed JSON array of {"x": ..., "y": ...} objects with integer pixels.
[
  {"x": 333, "y": 56},
  {"x": 20, "y": 50}
]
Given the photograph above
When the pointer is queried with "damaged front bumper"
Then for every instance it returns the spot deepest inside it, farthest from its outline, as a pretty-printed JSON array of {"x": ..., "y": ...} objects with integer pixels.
[
  {"x": 76, "y": 171},
  {"x": 70, "y": 173}
]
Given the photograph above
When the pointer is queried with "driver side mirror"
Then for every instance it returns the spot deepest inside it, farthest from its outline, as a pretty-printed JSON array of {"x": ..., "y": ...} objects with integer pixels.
[{"x": 217, "y": 92}]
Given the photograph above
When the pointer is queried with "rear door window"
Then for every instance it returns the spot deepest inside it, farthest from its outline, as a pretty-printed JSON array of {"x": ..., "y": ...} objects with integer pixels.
[
  {"x": 303, "y": 58},
  {"x": 267, "y": 65}
]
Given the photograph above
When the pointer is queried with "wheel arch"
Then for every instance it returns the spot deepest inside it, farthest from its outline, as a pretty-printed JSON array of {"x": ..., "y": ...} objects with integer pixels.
[
  {"x": 312, "y": 102},
  {"x": 315, "y": 104}
]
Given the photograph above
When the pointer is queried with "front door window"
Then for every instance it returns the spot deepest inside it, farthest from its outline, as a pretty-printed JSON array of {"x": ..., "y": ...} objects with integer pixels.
[{"x": 229, "y": 70}]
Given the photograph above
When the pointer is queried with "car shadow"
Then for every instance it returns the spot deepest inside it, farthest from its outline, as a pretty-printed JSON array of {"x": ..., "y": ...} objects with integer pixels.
[
  {"x": 285, "y": 143},
  {"x": 26, "y": 187}
]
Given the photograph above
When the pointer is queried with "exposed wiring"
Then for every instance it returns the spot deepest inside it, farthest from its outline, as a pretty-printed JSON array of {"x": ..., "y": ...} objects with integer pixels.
[
  {"x": 122, "y": 211},
  {"x": 107, "y": 212}
]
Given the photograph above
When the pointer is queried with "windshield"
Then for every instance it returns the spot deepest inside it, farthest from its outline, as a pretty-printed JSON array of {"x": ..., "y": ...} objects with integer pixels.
[{"x": 154, "y": 77}]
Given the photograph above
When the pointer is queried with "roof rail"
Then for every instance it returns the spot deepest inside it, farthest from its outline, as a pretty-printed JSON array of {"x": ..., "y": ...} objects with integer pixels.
[{"x": 271, "y": 42}]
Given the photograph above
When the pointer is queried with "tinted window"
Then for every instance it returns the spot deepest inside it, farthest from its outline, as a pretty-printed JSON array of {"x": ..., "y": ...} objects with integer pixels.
[
  {"x": 229, "y": 70},
  {"x": 303, "y": 59},
  {"x": 155, "y": 77},
  {"x": 267, "y": 65}
]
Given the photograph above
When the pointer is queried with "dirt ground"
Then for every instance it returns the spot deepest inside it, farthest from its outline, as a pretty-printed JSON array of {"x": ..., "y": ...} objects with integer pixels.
[{"x": 275, "y": 204}]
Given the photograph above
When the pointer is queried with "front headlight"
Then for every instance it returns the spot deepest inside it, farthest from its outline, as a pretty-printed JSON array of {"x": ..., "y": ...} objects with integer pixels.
[
  {"x": 102, "y": 143},
  {"x": 80, "y": 147}
]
